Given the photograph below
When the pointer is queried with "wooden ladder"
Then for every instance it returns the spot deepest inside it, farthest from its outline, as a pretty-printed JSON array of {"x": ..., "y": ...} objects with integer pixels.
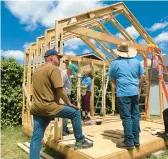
[{"x": 160, "y": 67}]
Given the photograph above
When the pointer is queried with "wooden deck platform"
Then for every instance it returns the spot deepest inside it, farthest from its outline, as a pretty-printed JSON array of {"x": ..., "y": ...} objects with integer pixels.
[{"x": 105, "y": 147}]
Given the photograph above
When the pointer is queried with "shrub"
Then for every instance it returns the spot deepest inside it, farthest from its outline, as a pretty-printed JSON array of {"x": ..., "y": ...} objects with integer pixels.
[{"x": 11, "y": 92}]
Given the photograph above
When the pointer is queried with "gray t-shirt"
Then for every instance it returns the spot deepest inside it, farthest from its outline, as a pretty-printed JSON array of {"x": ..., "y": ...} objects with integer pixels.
[{"x": 67, "y": 82}]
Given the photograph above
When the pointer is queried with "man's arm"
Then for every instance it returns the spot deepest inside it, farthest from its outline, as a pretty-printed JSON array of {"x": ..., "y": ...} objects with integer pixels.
[
  {"x": 61, "y": 93},
  {"x": 113, "y": 81}
]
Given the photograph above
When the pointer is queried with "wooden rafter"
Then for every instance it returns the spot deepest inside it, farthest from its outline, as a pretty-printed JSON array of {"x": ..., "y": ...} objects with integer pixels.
[{"x": 81, "y": 31}]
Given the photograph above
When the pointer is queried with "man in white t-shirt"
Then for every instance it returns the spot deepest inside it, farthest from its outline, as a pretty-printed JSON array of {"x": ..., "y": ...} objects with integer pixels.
[{"x": 67, "y": 82}]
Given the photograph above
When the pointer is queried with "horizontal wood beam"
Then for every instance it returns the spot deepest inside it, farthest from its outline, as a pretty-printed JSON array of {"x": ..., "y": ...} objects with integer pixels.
[
  {"x": 103, "y": 37},
  {"x": 95, "y": 23},
  {"x": 90, "y": 15},
  {"x": 84, "y": 60}
]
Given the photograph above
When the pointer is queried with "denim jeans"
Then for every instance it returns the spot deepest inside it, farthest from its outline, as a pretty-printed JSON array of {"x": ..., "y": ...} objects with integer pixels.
[
  {"x": 40, "y": 124},
  {"x": 129, "y": 113},
  {"x": 65, "y": 120}
]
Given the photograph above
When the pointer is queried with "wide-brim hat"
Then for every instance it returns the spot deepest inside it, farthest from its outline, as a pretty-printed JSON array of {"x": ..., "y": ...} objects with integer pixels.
[{"x": 124, "y": 51}]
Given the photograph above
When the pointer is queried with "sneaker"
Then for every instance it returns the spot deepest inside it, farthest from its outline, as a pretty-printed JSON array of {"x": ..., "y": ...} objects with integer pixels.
[
  {"x": 88, "y": 118},
  {"x": 123, "y": 144},
  {"x": 65, "y": 134},
  {"x": 163, "y": 135},
  {"x": 83, "y": 118},
  {"x": 68, "y": 132},
  {"x": 83, "y": 144},
  {"x": 136, "y": 144}
]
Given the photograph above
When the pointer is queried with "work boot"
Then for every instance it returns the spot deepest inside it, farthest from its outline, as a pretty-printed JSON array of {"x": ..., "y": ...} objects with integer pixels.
[
  {"x": 123, "y": 144},
  {"x": 83, "y": 144},
  {"x": 163, "y": 135}
]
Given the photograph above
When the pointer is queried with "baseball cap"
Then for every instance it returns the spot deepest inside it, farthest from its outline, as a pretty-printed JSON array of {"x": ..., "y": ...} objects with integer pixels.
[
  {"x": 52, "y": 52},
  {"x": 74, "y": 69}
]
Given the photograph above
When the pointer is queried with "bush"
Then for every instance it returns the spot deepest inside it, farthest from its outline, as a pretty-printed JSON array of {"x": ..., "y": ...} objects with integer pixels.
[{"x": 11, "y": 87}]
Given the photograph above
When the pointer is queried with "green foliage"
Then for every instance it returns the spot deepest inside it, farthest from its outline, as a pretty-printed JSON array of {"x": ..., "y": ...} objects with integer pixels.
[{"x": 11, "y": 87}]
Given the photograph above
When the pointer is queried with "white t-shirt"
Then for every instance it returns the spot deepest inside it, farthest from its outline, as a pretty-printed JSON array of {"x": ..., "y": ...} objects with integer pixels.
[{"x": 67, "y": 81}]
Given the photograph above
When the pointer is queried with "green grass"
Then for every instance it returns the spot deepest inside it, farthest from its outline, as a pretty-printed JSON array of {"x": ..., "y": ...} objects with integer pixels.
[
  {"x": 163, "y": 156},
  {"x": 9, "y": 139},
  {"x": 9, "y": 149}
]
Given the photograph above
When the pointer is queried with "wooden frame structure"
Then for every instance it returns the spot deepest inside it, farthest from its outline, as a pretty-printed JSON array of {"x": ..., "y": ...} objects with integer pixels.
[{"x": 84, "y": 26}]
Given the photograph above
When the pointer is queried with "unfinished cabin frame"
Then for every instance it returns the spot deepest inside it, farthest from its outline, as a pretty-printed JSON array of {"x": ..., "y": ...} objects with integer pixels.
[{"x": 84, "y": 26}]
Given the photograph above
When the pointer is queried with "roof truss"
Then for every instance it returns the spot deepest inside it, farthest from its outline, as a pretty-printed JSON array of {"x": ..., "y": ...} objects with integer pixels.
[{"x": 84, "y": 26}]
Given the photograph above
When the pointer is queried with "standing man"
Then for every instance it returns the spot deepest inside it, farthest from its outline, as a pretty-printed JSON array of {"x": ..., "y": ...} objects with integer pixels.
[
  {"x": 47, "y": 89},
  {"x": 125, "y": 73},
  {"x": 86, "y": 93},
  {"x": 67, "y": 81}
]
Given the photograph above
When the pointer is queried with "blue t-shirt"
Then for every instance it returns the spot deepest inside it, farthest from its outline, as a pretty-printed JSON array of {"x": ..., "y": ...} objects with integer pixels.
[
  {"x": 87, "y": 81},
  {"x": 126, "y": 72}
]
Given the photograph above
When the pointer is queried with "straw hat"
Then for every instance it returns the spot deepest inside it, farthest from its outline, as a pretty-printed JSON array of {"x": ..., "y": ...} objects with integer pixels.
[{"x": 124, "y": 51}]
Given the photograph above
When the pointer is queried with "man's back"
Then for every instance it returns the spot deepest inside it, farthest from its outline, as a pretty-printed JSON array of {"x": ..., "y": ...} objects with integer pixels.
[
  {"x": 67, "y": 81},
  {"x": 45, "y": 79},
  {"x": 126, "y": 71}
]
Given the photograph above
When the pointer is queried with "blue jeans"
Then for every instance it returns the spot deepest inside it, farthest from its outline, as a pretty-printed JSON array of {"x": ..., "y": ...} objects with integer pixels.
[
  {"x": 40, "y": 124},
  {"x": 129, "y": 113},
  {"x": 65, "y": 120}
]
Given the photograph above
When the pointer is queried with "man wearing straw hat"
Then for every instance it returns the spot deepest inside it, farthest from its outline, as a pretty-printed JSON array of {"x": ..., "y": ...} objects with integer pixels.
[{"x": 125, "y": 72}]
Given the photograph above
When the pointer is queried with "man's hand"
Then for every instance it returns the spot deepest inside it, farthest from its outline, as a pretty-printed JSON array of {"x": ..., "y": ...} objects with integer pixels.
[
  {"x": 72, "y": 105},
  {"x": 79, "y": 75}
]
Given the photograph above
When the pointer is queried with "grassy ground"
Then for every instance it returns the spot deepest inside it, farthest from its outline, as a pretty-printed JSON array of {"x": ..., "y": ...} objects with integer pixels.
[
  {"x": 9, "y": 149},
  {"x": 11, "y": 136},
  {"x": 163, "y": 156}
]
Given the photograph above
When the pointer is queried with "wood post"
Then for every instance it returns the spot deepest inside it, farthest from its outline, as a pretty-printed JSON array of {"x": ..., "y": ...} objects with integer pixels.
[
  {"x": 103, "y": 91},
  {"x": 113, "y": 98},
  {"x": 92, "y": 92},
  {"x": 161, "y": 99},
  {"x": 79, "y": 89},
  {"x": 58, "y": 129}
]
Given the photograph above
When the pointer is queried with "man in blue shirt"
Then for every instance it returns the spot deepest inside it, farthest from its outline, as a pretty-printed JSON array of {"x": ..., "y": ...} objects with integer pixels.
[
  {"x": 125, "y": 72},
  {"x": 86, "y": 93}
]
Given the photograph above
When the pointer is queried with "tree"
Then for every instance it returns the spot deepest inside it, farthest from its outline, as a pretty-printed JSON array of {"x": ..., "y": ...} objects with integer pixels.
[{"x": 11, "y": 92}]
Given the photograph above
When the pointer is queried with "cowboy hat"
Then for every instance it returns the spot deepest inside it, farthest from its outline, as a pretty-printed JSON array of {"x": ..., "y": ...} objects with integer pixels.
[{"x": 124, "y": 51}]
